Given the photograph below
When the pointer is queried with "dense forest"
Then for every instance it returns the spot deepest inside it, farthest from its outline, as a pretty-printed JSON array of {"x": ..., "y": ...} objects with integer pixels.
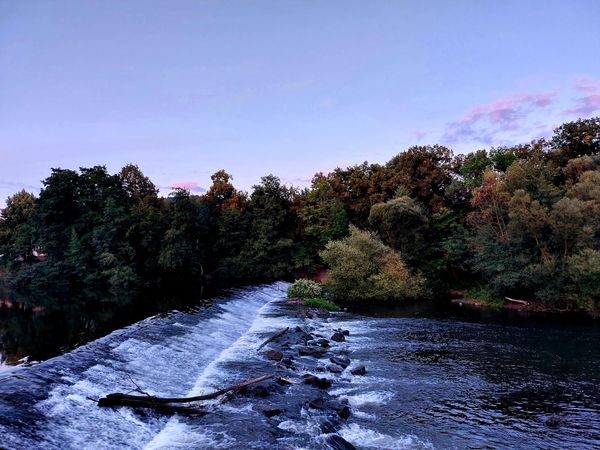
[{"x": 521, "y": 221}]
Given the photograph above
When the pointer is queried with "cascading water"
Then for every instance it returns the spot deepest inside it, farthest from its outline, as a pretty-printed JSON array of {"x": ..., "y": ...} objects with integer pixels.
[{"x": 429, "y": 384}]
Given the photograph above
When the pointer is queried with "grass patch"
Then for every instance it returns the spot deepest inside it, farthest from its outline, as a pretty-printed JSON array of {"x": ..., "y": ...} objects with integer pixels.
[
  {"x": 484, "y": 295},
  {"x": 321, "y": 303}
]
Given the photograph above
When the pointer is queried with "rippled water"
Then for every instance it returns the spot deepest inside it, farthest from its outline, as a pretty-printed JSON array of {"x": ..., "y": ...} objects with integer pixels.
[{"x": 430, "y": 384}]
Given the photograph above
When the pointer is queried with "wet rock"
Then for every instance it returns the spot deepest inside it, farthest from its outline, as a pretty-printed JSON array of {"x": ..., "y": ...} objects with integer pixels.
[
  {"x": 323, "y": 314},
  {"x": 345, "y": 332},
  {"x": 323, "y": 343},
  {"x": 334, "y": 369},
  {"x": 317, "y": 403},
  {"x": 341, "y": 408},
  {"x": 328, "y": 427},
  {"x": 360, "y": 370},
  {"x": 340, "y": 361},
  {"x": 553, "y": 421},
  {"x": 310, "y": 351},
  {"x": 274, "y": 355},
  {"x": 338, "y": 337},
  {"x": 320, "y": 369},
  {"x": 258, "y": 391},
  {"x": 288, "y": 361},
  {"x": 339, "y": 443},
  {"x": 270, "y": 411},
  {"x": 321, "y": 383}
]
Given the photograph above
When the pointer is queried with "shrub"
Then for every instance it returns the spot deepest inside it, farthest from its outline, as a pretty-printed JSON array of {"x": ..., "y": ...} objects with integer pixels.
[
  {"x": 303, "y": 288},
  {"x": 363, "y": 268},
  {"x": 321, "y": 303},
  {"x": 485, "y": 295}
]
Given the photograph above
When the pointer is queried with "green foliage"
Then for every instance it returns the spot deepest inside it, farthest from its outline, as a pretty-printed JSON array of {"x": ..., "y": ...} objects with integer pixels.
[
  {"x": 485, "y": 295},
  {"x": 304, "y": 288},
  {"x": 321, "y": 303},
  {"x": 521, "y": 221},
  {"x": 401, "y": 224},
  {"x": 365, "y": 269}
]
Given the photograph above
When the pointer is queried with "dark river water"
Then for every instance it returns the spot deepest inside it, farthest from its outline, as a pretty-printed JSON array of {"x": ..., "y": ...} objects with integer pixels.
[{"x": 430, "y": 383}]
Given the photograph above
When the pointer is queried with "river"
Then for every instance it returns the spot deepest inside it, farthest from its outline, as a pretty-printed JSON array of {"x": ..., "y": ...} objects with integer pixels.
[{"x": 431, "y": 383}]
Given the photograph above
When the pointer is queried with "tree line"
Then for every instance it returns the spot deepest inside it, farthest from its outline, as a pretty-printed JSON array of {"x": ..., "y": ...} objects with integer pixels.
[{"x": 520, "y": 221}]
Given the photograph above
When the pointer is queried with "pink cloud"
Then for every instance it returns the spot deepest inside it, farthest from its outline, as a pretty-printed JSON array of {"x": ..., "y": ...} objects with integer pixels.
[
  {"x": 585, "y": 105},
  {"x": 481, "y": 122},
  {"x": 587, "y": 85},
  {"x": 590, "y": 101},
  {"x": 189, "y": 185}
]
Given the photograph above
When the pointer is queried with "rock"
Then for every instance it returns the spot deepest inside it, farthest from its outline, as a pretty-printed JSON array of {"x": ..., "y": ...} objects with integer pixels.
[
  {"x": 553, "y": 421},
  {"x": 258, "y": 391},
  {"x": 321, "y": 383},
  {"x": 323, "y": 343},
  {"x": 320, "y": 369},
  {"x": 323, "y": 313},
  {"x": 360, "y": 370},
  {"x": 310, "y": 351},
  {"x": 341, "y": 409},
  {"x": 334, "y": 369},
  {"x": 339, "y": 443},
  {"x": 340, "y": 361},
  {"x": 288, "y": 361},
  {"x": 270, "y": 411},
  {"x": 274, "y": 355},
  {"x": 317, "y": 403},
  {"x": 338, "y": 337},
  {"x": 327, "y": 427},
  {"x": 283, "y": 381}
]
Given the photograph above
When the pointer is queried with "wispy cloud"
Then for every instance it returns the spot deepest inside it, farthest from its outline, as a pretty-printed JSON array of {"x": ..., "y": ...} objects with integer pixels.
[
  {"x": 587, "y": 85},
  {"x": 589, "y": 102},
  {"x": 483, "y": 122}
]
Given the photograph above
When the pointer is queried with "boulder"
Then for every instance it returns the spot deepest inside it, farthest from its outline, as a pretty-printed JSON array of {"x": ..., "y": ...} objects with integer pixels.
[
  {"x": 310, "y": 351},
  {"x": 317, "y": 403},
  {"x": 340, "y": 361},
  {"x": 341, "y": 408},
  {"x": 321, "y": 383},
  {"x": 270, "y": 411},
  {"x": 258, "y": 391},
  {"x": 339, "y": 443},
  {"x": 360, "y": 370},
  {"x": 338, "y": 337},
  {"x": 274, "y": 355},
  {"x": 334, "y": 369}
]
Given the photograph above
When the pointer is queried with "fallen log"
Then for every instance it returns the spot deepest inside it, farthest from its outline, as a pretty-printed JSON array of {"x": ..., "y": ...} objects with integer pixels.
[
  {"x": 162, "y": 403},
  {"x": 275, "y": 336},
  {"x": 522, "y": 302}
]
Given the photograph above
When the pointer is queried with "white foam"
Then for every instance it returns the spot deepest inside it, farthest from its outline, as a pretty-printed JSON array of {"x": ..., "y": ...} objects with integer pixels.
[
  {"x": 367, "y": 438},
  {"x": 369, "y": 398},
  {"x": 185, "y": 360},
  {"x": 182, "y": 436}
]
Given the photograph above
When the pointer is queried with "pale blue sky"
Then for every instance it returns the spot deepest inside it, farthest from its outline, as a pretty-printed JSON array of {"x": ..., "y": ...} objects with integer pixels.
[{"x": 185, "y": 88}]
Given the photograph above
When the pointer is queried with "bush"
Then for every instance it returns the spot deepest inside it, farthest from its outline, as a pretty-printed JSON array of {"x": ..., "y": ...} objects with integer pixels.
[
  {"x": 363, "y": 269},
  {"x": 485, "y": 295},
  {"x": 321, "y": 303},
  {"x": 305, "y": 289}
]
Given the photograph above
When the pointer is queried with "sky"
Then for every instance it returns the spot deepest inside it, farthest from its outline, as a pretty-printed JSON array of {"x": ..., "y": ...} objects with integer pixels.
[{"x": 185, "y": 88}]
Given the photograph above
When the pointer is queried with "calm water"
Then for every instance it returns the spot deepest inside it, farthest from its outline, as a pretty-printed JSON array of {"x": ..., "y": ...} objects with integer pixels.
[{"x": 431, "y": 383}]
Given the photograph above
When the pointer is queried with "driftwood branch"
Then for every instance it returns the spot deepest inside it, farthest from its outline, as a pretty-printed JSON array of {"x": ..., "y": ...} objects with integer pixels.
[
  {"x": 522, "y": 302},
  {"x": 162, "y": 403},
  {"x": 275, "y": 336}
]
